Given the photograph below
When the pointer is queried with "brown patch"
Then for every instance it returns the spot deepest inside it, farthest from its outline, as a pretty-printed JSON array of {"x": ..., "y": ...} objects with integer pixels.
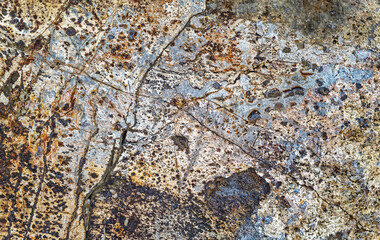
[
  {"x": 235, "y": 197},
  {"x": 124, "y": 210},
  {"x": 317, "y": 18},
  {"x": 182, "y": 143}
]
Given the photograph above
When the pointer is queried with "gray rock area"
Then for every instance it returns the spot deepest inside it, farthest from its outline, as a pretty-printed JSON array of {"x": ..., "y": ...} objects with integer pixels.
[{"x": 189, "y": 119}]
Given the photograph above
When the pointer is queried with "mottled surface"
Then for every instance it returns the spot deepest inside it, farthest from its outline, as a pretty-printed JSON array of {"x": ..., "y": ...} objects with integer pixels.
[{"x": 182, "y": 119}]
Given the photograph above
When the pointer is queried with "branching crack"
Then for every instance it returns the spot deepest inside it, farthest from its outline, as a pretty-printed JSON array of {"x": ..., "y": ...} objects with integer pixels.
[
  {"x": 119, "y": 144},
  {"x": 14, "y": 199},
  {"x": 90, "y": 197},
  {"x": 279, "y": 169},
  {"x": 42, "y": 179},
  {"x": 80, "y": 176},
  {"x": 143, "y": 79}
]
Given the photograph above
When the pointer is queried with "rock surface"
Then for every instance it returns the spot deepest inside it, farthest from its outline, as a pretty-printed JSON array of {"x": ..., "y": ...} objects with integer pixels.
[{"x": 186, "y": 119}]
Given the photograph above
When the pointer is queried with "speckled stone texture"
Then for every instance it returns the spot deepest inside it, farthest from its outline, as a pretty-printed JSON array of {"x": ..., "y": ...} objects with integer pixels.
[{"x": 189, "y": 119}]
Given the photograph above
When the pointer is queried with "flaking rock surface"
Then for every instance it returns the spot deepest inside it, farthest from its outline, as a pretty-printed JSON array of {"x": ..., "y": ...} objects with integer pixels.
[{"x": 189, "y": 119}]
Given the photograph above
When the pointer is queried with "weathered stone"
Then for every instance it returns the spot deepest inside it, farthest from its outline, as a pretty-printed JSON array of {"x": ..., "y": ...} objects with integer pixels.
[
  {"x": 273, "y": 93},
  {"x": 233, "y": 119},
  {"x": 236, "y": 195}
]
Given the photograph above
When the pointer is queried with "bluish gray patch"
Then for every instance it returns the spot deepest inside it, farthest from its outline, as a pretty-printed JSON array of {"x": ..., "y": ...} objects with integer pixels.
[
  {"x": 330, "y": 76},
  {"x": 362, "y": 54},
  {"x": 303, "y": 206},
  {"x": 268, "y": 219},
  {"x": 320, "y": 108},
  {"x": 228, "y": 191},
  {"x": 292, "y": 219},
  {"x": 250, "y": 230},
  {"x": 353, "y": 75}
]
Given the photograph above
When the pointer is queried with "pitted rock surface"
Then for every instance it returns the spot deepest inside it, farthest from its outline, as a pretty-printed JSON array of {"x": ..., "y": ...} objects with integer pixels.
[{"x": 189, "y": 119}]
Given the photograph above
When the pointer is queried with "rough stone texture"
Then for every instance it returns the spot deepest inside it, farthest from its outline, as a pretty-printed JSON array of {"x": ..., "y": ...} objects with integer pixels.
[{"x": 182, "y": 119}]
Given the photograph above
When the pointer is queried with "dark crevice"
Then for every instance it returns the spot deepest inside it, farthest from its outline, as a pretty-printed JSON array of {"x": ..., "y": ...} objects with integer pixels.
[
  {"x": 79, "y": 183},
  {"x": 36, "y": 198},
  {"x": 11, "y": 216},
  {"x": 42, "y": 178},
  {"x": 89, "y": 199}
]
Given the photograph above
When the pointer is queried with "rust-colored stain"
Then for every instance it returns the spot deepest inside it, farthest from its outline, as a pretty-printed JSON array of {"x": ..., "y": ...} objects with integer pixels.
[{"x": 153, "y": 119}]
